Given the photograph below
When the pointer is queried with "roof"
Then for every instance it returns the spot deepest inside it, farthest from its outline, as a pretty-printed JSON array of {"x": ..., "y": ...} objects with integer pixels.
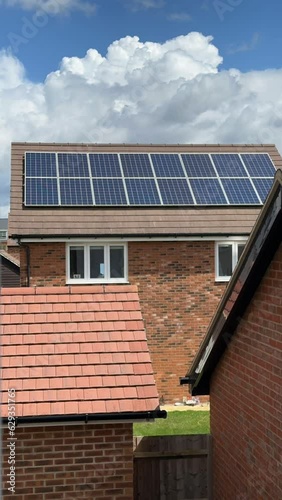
[
  {"x": 128, "y": 221},
  {"x": 10, "y": 258},
  {"x": 75, "y": 351},
  {"x": 258, "y": 253}
]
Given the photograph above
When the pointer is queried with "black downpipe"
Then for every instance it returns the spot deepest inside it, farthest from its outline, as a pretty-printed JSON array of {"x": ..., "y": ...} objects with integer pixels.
[
  {"x": 27, "y": 254},
  {"x": 142, "y": 415}
]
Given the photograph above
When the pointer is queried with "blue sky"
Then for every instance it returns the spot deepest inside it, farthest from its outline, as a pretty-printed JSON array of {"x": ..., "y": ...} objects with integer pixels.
[
  {"x": 247, "y": 32},
  {"x": 182, "y": 71}
]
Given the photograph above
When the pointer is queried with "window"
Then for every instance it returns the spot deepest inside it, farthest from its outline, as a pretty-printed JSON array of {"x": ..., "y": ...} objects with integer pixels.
[
  {"x": 3, "y": 234},
  {"x": 227, "y": 256},
  {"x": 96, "y": 263}
]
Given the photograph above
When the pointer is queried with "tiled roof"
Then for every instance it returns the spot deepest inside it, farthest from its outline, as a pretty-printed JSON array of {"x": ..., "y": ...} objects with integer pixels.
[
  {"x": 10, "y": 258},
  {"x": 129, "y": 221},
  {"x": 75, "y": 350}
]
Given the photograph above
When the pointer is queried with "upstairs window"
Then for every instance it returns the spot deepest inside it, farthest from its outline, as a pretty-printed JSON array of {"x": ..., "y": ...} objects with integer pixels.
[
  {"x": 227, "y": 256},
  {"x": 97, "y": 263}
]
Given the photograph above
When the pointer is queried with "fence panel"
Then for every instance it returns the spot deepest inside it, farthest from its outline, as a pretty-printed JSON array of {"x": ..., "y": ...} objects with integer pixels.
[{"x": 172, "y": 467}]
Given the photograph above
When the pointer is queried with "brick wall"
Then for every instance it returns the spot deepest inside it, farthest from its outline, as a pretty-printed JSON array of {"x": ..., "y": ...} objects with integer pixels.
[
  {"x": 71, "y": 462},
  {"x": 178, "y": 298},
  {"x": 246, "y": 400}
]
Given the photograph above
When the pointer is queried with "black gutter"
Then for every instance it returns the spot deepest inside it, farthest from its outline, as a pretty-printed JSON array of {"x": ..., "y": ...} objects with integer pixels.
[
  {"x": 92, "y": 417},
  {"x": 126, "y": 235}
]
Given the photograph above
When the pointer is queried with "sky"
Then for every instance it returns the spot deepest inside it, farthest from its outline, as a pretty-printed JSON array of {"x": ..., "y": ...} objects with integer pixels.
[{"x": 138, "y": 71}]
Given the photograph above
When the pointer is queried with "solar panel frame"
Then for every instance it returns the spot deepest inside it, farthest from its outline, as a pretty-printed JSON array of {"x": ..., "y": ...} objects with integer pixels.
[
  {"x": 139, "y": 191},
  {"x": 35, "y": 167},
  {"x": 229, "y": 165},
  {"x": 263, "y": 186},
  {"x": 235, "y": 190},
  {"x": 198, "y": 165},
  {"x": 136, "y": 165},
  {"x": 175, "y": 191},
  {"x": 73, "y": 191},
  {"x": 109, "y": 191},
  {"x": 106, "y": 165},
  {"x": 72, "y": 165},
  {"x": 208, "y": 191},
  {"x": 258, "y": 165},
  {"x": 167, "y": 165},
  {"x": 41, "y": 191}
]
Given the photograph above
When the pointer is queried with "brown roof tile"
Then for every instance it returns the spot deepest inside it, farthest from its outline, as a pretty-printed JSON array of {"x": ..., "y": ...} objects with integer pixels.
[
  {"x": 130, "y": 221},
  {"x": 58, "y": 369}
]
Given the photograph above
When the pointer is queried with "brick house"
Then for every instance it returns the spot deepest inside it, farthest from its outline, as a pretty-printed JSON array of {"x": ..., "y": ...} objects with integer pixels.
[
  {"x": 9, "y": 270},
  {"x": 77, "y": 370},
  {"x": 176, "y": 238},
  {"x": 240, "y": 366}
]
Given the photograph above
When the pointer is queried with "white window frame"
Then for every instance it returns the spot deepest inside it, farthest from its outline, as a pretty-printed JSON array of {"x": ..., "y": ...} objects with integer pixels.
[
  {"x": 234, "y": 245},
  {"x": 3, "y": 234},
  {"x": 86, "y": 246}
]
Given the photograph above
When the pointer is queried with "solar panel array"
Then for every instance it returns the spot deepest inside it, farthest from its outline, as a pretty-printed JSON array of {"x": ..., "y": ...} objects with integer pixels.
[{"x": 143, "y": 179}]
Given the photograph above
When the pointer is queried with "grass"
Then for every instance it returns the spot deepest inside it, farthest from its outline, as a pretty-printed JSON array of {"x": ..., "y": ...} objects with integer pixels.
[{"x": 176, "y": 423}]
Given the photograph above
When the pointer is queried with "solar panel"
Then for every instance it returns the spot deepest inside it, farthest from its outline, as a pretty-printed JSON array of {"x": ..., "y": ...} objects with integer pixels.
[
  {"x": 142, "y": 192},
  {"x": 76, "y": 192},
  {"x": 229, "y": 165},
  {"x": 104, "y": 165},
  {"x": 41, "y": 191},
  {"x": 167, "y": 165},
  {"x": 240, "y": 192},
  {"x": 208, "y": 192},
  {"x": 258, "y": 165},
  {"x": 175, "y": 192},
  {"x": 73, "y": 165},
  {"x": 109, "y": 192},
  {"x": 198, "y": 165},
  {"x": 136, "y": 165},
  {"x": 40, "y": 165},
  {"x": 263, "y": 187}
]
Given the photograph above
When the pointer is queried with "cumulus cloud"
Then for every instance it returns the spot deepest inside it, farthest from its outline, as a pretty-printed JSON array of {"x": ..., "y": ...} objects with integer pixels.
[
  {"x": 139, "y": 92},
  {"x": 51, "y": 6}
]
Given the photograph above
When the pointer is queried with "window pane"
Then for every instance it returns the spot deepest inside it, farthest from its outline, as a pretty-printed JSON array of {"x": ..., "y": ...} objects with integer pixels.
[
  {"x": 241, "y": 247},
  {"x": 97, "y": 262},
  {"x": 77, "y": 262},
  {"x": 117, "y": 262},
  {"x": 225, "y": 260}
]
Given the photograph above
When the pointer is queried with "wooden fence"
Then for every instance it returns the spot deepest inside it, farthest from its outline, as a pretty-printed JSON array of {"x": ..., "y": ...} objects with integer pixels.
[{"x": 172, "y": 467}]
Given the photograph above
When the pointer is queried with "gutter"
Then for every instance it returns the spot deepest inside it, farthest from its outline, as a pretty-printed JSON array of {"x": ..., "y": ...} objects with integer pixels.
[{"x": 92, "y": 417}]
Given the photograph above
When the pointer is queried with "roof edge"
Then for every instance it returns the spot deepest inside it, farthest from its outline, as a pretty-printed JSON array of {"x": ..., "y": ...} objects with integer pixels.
[{"x": 226, "y": 318}]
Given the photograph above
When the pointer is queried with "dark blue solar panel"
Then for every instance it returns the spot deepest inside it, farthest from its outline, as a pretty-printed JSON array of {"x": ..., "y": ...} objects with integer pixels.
[
  {"x": 42, "y": 191},
  {"x": 258, "y": 165},
  {"x": 167, "y": 165},
  {"x": 73, "y": 165},
  {"x": 104, "y": 165},
  {"x": 136, "y": 165},
  {"x": 229, "y": 165},
  {"x": 76, "y": 192},
  {"x": 109, "y": 192},
  {"x": 263, "y": 187},
  {"x": 198, "y": 165},
  {"x": 40, "y": 165},
  {"x": 142, "y": 192},
  {"x": 208, "y": 192},
  {"x": 240, "y": 192},
  {"x": 175, "y": 192}
]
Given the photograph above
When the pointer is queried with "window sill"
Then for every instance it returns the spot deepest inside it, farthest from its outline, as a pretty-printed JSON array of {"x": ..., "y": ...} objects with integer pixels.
[
  {"x": 96, "y": 282},
  {"x": 223, "y": 279}
]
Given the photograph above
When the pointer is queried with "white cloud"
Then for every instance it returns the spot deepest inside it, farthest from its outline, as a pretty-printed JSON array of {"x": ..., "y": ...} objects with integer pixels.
[
  {"x": 144, "y": 4},
  {"x": 51, "y": 6},
  {"x": 139, "y": 92},
  {"x": 244, "y": 46}
]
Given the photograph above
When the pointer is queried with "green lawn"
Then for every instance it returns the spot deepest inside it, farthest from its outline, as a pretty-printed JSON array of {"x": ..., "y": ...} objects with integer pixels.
[{"x": 177, "y": 422}]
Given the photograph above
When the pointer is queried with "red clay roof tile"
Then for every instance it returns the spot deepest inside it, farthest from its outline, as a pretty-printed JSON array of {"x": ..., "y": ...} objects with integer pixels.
[{"x": 75, "y": 349}]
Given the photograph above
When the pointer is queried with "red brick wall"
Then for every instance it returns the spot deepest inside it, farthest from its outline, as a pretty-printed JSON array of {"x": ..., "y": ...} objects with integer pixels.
[
  {"x": 178, "y": 298},
  {"x": 71, "y": 462},
  {"x": 246, "y": 400}
]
